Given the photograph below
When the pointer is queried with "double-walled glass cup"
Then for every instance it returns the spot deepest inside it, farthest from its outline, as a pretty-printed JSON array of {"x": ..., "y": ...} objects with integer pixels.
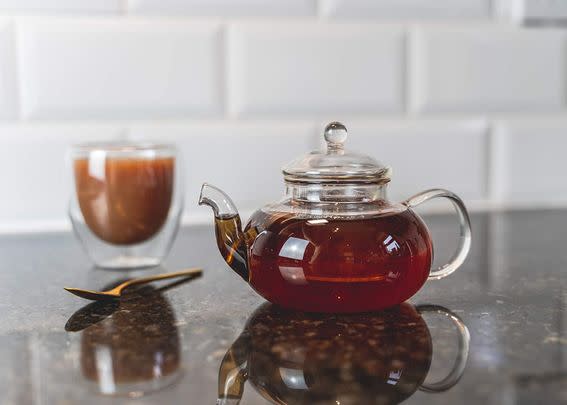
[{"x": 127, "y": 202}]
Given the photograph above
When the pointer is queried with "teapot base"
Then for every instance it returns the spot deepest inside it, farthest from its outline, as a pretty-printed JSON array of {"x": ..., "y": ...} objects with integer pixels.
[{"x": 344, "y": 298}]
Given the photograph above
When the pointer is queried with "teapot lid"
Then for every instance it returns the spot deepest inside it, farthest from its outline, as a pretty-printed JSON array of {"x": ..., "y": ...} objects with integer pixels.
[{"x": 335, "y": 165}]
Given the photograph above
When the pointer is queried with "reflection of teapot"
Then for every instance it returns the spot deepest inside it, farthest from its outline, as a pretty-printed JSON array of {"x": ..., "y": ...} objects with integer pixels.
[
  {"x": 130, "y": 346},
  {"x": 334, "y": 243},
  {"x": 294, "y": 357}
]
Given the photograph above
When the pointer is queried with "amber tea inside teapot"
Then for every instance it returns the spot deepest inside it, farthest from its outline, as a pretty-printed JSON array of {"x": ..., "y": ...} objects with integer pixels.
[{"x": 334, "y": 243}]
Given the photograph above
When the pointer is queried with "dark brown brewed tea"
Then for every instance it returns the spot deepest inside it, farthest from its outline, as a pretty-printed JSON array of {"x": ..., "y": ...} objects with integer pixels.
[
  {"x": 334, "y": 265},
  {"x": 128, "y": 201}
]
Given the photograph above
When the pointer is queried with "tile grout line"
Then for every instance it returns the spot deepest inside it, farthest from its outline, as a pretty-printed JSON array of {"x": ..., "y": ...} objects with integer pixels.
[
  {"x": 410, "y": 60},
  {"x": 376, "y": 119},
  {"x": 488, "y": 165},
  {"x": 124, "y": 9},
  {"x": 498, "y": 162},
  {"x": 223, "y": 68}
]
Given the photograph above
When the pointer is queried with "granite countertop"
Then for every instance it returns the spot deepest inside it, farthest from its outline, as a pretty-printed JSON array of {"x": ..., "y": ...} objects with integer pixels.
[{"x": 188, "y": 343}]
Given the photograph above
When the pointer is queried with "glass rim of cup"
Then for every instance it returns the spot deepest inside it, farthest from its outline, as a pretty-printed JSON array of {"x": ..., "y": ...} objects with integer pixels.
[{"x": 124, "y": 148}]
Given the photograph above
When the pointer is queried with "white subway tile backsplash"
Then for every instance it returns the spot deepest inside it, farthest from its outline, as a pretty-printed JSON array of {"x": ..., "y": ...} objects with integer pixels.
[
  {"x": 36, "y": 183},
  {"x": 487, "y": 69},
  {"x": 224, "y": 7},
  {"x": 119, "y": 69},
  {"x": 427, "y": 154},
  {"x": 63, "y": 6},
  {"x": 8, "y": 88},
  {"x": 244, "y": 160},
  {"x": 302, "y": 68},
  {"x": 531, "y": 161},
  {"x": 405, "y": 9},
  {"x": 417, "y": 82}
]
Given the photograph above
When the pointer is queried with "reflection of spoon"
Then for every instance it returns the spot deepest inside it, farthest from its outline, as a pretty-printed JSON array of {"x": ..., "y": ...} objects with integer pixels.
[
  {"x": 91, "y": 314},
  {"x": 117, "y": 291},
  {"x": 100, "y": 310}
]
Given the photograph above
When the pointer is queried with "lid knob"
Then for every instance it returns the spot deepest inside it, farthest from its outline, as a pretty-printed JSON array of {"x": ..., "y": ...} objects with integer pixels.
[
  {"x": 335, "y": 135},
  {"x": 336, "y": 165}
]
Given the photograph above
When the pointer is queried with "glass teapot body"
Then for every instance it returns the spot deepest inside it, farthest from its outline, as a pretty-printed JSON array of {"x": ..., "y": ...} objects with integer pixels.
[{"x": 328, "y": 256}]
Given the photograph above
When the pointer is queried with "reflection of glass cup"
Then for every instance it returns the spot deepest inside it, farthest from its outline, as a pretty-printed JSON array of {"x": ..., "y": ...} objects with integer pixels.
[
  {"x": 127, "y": 202},
  {"x": 129, "y": 347}
]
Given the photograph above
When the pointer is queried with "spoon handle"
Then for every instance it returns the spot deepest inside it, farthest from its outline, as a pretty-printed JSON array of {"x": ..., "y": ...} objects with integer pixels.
[{"x": 182, "y": 273}]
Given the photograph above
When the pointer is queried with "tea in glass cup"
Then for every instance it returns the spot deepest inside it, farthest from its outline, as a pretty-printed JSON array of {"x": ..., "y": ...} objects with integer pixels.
[{"x": 127, "y": 202}]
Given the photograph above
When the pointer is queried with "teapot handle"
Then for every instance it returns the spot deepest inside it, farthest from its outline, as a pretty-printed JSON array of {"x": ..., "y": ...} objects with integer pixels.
[
  {"x": 464, "y": 225},
  {"x": 463, "y": 353}
]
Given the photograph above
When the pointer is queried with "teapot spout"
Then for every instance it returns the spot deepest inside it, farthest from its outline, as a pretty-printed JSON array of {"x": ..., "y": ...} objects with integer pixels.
[
  {"x": 231, "y": 241},
  {"x": 214, "y": 197}
]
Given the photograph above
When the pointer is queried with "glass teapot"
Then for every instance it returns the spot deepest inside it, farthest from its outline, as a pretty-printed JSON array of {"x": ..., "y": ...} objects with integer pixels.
[{"x": 334, "y": 243}]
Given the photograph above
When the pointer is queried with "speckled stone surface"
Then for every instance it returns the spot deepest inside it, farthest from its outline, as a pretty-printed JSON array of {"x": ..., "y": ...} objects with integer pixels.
[{"x": 169, "y": 344}]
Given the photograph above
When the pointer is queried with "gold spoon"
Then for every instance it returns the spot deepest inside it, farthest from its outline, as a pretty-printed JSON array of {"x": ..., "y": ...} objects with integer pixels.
[{"x": 117, "y": 291}]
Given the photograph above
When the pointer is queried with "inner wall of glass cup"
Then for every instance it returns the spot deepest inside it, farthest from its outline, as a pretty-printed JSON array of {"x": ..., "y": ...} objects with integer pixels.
[
  {"x": 336, "y": 192},
  {"x": 122, "y": 150}
]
